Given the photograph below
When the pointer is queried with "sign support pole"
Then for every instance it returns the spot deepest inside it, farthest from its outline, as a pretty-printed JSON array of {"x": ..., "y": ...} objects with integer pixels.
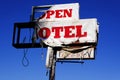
[{"x": 53, "y": 66}]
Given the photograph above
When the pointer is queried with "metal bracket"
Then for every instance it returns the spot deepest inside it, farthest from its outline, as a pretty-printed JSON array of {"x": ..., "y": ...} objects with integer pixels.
[{"x": 17, "y": 32}]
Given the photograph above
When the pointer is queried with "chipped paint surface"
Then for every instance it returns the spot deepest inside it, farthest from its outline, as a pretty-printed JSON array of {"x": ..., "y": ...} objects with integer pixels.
[
  {"x": 88, "y": 25},
  {"x": 62, "y": 16},
  {"x": 49, "y": 57},
  {"x": 74, "y": 13},
  {"x": 85, "y": 53}
]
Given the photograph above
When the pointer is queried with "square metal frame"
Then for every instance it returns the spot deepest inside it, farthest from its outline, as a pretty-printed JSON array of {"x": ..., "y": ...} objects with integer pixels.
[{"x": 16, "y": 37}]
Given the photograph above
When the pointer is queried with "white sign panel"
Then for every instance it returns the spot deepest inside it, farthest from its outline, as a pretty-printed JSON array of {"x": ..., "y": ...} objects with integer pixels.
[
  {"x": 61, "y": 12},
  {"x": 85, "y": 53},
  {"x": 49, "y": 57},
  {"x": 70, "y": 53},
  {"x": 67, "y": 32}
]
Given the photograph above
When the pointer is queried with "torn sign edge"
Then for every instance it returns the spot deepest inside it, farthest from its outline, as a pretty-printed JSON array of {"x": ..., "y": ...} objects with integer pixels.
[
  {"x": 71, "y": 41},
  {"x": 74, "y": 6}
]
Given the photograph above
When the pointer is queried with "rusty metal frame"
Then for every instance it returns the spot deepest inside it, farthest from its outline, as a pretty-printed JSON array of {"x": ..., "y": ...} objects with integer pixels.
[
  {"x": 16, "y": 37},
  {"x": 36, "y": 9}
]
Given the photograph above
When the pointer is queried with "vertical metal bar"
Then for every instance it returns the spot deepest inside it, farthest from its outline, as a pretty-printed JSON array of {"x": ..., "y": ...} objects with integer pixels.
[
  {"x": 32, "y": 14},
  {"x": 13, "y": 41},
  {"x": 52, "y": 69},
  {"x": 18, "y": 37}
]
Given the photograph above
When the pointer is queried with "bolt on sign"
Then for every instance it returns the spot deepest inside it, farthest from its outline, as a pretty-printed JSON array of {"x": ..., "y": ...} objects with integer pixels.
[{"x": 60, "y": 26}]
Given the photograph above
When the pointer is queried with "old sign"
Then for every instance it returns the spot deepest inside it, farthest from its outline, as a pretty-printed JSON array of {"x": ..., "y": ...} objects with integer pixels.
[
  {"x": 80, "y": 53},
  {"x": 61, "y": 12},
  {"x": 60, "y": 26},
  {"x": 62, "y": 33}
]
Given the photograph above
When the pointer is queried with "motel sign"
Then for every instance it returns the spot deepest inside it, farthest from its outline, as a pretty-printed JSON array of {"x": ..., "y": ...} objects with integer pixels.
[
  {"x": 60, "y": 29},
  {"x": 61, "y": 26},
  {"x": 46, "y": 32}
]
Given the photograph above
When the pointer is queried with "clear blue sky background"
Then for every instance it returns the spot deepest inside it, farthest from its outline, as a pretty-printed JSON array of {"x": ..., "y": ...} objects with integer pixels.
[{"x": 106, "y": 66}]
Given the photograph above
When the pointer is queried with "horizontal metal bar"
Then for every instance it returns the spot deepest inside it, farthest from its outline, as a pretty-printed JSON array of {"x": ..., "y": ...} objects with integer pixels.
[
  {"x": 25, "y": 24},
  {"x": 71, "y": 61},
  {"x": 28, "y": 45}
]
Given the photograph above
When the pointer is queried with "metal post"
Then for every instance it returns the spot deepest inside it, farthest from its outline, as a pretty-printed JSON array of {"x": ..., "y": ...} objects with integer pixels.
[{"x": 53, "y": 66}]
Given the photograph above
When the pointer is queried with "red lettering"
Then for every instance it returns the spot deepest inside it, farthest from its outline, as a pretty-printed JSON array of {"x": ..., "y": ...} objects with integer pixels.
[
  {"x": 49, "y": 13},
  {"x": 68, "y": 31},
  {"x": 44, "y": 32},
  {"x": 62, "y": 13},
  {"x": 57, "y": 31},
  {"x": 67, "y": 13},
  {"x": 58, "y": 13},
  {"x": 42, "y": 16},
  {"x": 79, "y": 31}
]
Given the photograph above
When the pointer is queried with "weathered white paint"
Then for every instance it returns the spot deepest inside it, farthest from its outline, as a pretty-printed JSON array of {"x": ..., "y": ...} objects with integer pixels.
[
  {"x": 49, "y": 57},
  {"x": 83, "y": 54},
  {"x": 88, "y": 25},
  {"x": 73, "y": 6}
]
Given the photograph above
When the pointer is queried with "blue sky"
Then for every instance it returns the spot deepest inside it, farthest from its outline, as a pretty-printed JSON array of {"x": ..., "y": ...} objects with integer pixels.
[{"x": 106, "y": 66}]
